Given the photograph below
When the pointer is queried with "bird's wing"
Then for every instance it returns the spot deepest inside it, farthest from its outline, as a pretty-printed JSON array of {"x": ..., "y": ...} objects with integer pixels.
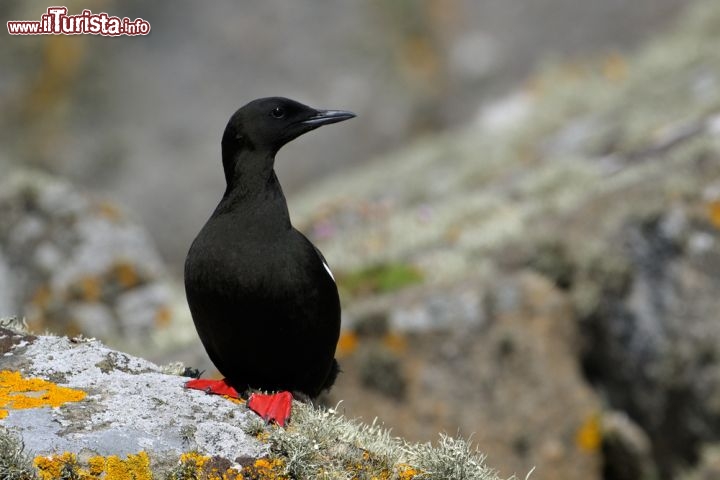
[{"x": 324, "y": 262}]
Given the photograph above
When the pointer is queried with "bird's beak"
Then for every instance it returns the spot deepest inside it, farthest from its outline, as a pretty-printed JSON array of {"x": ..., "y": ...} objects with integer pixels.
[{"x": 326, "y": 117}]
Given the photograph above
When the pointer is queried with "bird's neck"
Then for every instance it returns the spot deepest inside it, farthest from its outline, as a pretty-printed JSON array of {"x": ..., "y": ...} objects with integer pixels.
[
  {"x": 252, "y": 186},
  {"x": 247, "y": 170}
]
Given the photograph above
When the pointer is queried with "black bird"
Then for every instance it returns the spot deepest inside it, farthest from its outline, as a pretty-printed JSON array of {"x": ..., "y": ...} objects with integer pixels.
[{"x": 262, "y": 296}]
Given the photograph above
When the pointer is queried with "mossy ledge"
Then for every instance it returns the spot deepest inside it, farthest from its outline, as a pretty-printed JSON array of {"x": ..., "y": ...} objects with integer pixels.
[{"x": 67, "y": 418}]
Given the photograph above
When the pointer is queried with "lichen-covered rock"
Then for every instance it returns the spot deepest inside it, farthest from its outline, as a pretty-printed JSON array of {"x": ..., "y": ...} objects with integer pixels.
[
  {"x": 74, "y": 264},
  {"x": 627, "y": 449},
  {"x": 608, "y": 186},
  {"x": 103, "y": 402},
  {"x": 73, "y": 408},
  {"x": 504, "y": 368}
]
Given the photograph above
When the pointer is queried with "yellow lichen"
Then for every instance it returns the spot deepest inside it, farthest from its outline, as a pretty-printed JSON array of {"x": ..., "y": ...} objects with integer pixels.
[
  {"x": 395, "y": 342},
  {"x": 407, "y": 472},
  {"x": 589, "y": 435},
  {"x": 126, "y": 274},
  {"x": 200, "y": 467},
  {"x": 96, "y": 465},
  {"x": 136, "y": 467},
  {"x": 238, "y": 401},
  {"x": 17, "y": 393},
  {"x": 90, "y": 289},
  {"x": 53, "y": 467},
  {"x": 163, "y": 316},
  {"x": 194, "y": 458},
  {"x": 266, "y": 469},
  {"x": 347, "y": 343},
  {"x": 714, "y": 213}
]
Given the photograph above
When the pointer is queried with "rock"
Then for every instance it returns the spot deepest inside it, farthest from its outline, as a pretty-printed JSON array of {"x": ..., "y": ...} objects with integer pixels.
[
  {"x": 513, "y": 381},
  {"x": 73, "y": 264},
  {"x": 109, "y": 403},
  {"x": 596, "y": 188},
  {"x": 627, "y": 449},
  {"x": 73, "y": 408},
  {"x": 652, "y": 345},
  {"x": 709, "y": 466}
]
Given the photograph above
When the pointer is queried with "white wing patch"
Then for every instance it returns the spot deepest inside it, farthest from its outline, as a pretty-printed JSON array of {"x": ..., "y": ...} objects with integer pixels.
[{"x": 327, "y": 269}]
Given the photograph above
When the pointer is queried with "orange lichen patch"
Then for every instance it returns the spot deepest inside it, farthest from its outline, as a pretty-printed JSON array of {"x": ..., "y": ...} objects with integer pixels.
[
  {"x": 109, "y": 210},
  {"x": 17, "y": 393},
  {"x": 203, "y": 467},
  {"x": 265, "y": 469},
  {"x": 126, "y": 274},
  {"x": 589, "y": 435},
  {"x": 163, "y": 316},
  {"x": 90, "y": 288},
  {"x": 714, "y": 213},
  {"x": 614, "y": 67},
  {"x": 347, "y": 343},
  {"x": 194, "y": 458},
  {"x": 66, "y": 465},
  {"x": 136, "y": 467},
  {"x": 96, "y": 465},
  {"x": 54, "y": 467},
  {"x": 239, "y": 401},
  {"x": 395, "y": 342},
  {"x": 407, "y": 472}
]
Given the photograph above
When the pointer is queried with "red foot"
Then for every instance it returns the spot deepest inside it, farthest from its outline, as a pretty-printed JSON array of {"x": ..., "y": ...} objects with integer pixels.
[
  {"x": 272, "y": 408},
  {"x": 218, "y": 387}
]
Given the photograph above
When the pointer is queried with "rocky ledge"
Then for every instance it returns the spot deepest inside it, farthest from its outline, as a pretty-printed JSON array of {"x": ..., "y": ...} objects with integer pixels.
[{"x": 73, "y": 408}]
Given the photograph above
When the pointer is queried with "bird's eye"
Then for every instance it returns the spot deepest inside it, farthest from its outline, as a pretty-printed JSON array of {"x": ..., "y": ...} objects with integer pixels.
[{"x": 277, "y": 112}]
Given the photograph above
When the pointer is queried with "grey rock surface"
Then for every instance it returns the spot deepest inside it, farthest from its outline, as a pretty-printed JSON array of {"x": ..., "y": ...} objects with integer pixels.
[
  {"x": 511, "y": 378},
  {"x": 130, "y": 405}
]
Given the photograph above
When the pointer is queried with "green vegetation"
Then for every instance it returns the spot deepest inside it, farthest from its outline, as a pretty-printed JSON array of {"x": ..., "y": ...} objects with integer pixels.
[{"x": 378, "y": 279}]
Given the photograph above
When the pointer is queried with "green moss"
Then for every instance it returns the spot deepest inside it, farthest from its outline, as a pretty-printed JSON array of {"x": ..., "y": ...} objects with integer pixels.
[{"x": 377, "y": 279}]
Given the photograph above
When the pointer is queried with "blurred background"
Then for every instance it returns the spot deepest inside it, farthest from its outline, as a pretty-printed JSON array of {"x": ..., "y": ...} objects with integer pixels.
[{"x": 523, "y": 219}]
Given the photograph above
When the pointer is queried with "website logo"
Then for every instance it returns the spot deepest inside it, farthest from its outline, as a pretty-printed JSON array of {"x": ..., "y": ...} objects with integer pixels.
[{"x": 57, "y": 22}]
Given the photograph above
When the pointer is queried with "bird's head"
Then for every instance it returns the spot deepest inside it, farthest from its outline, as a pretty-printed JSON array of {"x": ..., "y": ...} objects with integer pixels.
[{"x": 266, "y": 124}]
